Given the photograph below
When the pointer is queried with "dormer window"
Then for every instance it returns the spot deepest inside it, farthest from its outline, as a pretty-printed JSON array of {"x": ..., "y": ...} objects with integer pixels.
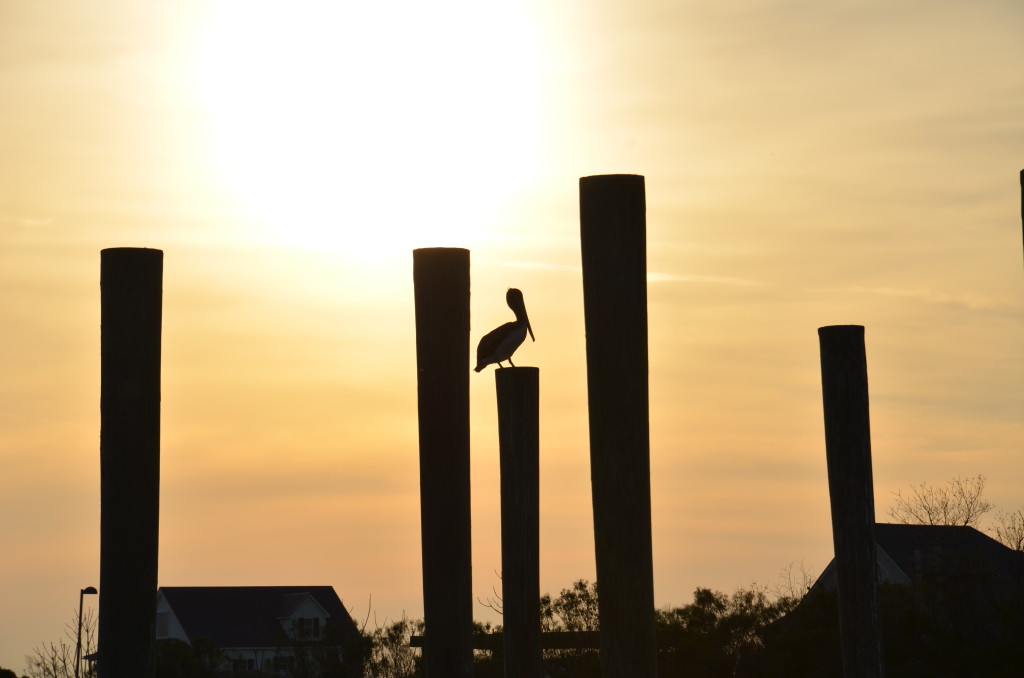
[{"x": 307, "y": 627}]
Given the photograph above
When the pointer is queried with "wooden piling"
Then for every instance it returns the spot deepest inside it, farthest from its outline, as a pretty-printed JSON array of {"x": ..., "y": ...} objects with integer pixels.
[
  {"x": 518, "y": 433},
  {"x": 614, "y": 252},
  {"x": 131, "y": 308},
  {"x": 441, "y": 281},
  {"x": 844, "y": 386}
]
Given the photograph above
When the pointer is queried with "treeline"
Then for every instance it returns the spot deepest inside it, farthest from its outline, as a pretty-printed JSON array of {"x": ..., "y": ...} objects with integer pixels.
[
  {"x": 712, "y": 636},
  {"x": 931, "y": 629},
  {"x": 927, "y": 632}
]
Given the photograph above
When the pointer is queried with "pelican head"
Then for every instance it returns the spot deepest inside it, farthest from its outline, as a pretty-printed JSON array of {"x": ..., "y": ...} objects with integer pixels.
[{"x": 514, "y": 299}]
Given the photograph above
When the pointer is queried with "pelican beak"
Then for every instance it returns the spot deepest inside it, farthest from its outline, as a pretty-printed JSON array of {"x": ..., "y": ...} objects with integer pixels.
[{"x": 529, "y": 329}]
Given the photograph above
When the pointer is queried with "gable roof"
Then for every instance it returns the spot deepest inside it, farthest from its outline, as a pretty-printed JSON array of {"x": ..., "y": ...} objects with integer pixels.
[
  {"x": 247, "y": 616},
  {"x": 928, "y": 550},
  {"x": 291, "y": 602},
  {"x": 912, "y": 553}
]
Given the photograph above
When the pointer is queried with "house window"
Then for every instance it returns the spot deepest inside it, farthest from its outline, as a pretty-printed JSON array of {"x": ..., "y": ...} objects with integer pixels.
[
  {"x": 285, "y": 663},
  {"x": 308, "y": 627},
  {"x": 241, "y": 664}
]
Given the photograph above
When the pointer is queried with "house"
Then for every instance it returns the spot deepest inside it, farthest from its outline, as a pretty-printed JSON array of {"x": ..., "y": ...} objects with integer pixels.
[
  {"x": 260, "y": 628},
  {"x": 951, "y": 603},
  {"x": 911, "y": 554}
]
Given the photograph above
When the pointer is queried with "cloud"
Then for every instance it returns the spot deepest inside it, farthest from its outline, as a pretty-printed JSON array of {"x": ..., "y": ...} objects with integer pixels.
[
  {"x": 544, "y": 266},
  {"x": 657, "y": 277},
  {"x": 653, "y": 277},
  {"x": 27, "y": 222},
  {"x": 965, "y": 301}
]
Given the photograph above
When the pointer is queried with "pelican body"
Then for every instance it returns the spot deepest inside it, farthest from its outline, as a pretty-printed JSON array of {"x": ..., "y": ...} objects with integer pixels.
[{"x": 499, "y": 344}]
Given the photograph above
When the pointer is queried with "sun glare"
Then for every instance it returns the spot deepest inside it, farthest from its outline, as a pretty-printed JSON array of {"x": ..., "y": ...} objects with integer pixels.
[{"x": 371, "y": 127}]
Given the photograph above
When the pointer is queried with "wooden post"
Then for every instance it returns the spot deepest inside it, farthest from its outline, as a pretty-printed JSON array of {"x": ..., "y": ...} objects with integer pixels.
[
  {"x": 131, "y": 299},
  {"x": 441, "y": 281},
  {"x": 518, "y": 433},
  {"x": 844, "y": 386},
  {"x": 614, "y": 250}
]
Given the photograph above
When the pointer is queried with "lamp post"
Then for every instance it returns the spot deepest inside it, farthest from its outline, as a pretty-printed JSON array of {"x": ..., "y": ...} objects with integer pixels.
[{"x": 91, "y": 590}]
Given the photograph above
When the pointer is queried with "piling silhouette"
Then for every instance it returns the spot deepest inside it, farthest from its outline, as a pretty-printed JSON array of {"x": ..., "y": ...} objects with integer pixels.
[
  {"x": 131, "y": 308},
  {"x": 844, "y": 386},
  {"x": 518, "y": 434},
  {"x": 441, "y": 282},
  {"x": 614, "y": 254}
]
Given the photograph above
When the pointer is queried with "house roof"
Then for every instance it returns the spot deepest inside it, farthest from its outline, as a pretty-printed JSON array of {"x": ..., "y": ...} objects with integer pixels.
[
  {"x": 927, "y": 550},
  {"x": 920, "y": 552},
  {"x": 247, "y": 616}
]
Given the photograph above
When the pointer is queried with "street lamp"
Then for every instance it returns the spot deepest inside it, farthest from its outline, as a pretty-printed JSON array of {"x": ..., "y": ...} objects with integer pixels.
[{"x": 91, "y": 590}]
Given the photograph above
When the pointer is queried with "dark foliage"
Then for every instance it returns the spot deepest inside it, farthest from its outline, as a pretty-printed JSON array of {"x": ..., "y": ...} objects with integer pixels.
[
  {"x": 717, "y": 635},
  {"x": 177, "y": 659},
  {"x": 935, "y": 629},
  {"x": 575, "y": 609}
]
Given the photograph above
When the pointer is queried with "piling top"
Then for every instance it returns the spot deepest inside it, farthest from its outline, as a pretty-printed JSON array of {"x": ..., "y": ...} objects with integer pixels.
[
  {"x": 605, "y": 182},
  {"x": 610, "y": 177},
  {"x": 131, "y": 256},
  {"x": 840, "y": 329},
  {"x": 438, "y": 251},
  {"x": 517, "y": 375}
]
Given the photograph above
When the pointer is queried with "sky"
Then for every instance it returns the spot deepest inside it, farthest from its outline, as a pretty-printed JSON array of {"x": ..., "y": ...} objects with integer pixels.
[{"x": 806, "y": 164}]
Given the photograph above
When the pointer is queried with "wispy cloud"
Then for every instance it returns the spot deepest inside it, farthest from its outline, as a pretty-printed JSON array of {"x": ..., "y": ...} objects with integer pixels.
[
  {"x": 27, "y": 222},
  {"x": 21, "y": 417},
  {"x": 657, "y": 277},
  {"x": 970, "y": 302},
  {"x": 543, "y": 266},
  {"x": 653, "y": 277}
]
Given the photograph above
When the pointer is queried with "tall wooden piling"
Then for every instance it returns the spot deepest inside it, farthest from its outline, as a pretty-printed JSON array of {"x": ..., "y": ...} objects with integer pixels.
[
  {"x": 441, "y": 281},
  {"x": 518, "y": 433},
  {"x": 844, "y": 386},
  {"x": 614, "y": 251},
  {"x": 130, "y": 317}
]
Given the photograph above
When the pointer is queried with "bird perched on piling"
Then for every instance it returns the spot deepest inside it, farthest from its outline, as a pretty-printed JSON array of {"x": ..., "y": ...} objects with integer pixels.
[{"x": 499, "y": 344}]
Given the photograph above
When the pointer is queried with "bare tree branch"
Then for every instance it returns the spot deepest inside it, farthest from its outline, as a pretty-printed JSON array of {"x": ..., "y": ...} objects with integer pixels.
[
  {"x": 960, "y": 503},
  {"x": 1009, "y": 529},
  {"x": 57, "y": 659}
]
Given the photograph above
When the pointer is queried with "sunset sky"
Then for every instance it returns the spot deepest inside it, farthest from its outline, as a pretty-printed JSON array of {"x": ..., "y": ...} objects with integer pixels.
[{"x": 806, "y": 163}]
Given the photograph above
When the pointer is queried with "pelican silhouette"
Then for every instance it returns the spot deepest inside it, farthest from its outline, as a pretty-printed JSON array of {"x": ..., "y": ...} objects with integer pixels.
[{"x": 499, "y": 344}]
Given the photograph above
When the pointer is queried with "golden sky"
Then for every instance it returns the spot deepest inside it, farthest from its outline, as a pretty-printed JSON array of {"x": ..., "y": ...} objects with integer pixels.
[{"x": 807, "y": 164}]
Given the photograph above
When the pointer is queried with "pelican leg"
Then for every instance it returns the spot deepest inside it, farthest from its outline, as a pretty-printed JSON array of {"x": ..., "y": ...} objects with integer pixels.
[{"x": 510, "y": 361}]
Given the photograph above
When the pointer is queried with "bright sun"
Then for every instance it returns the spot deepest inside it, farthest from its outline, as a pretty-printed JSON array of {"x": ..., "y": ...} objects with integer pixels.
[{"x": 371, "y": 127}]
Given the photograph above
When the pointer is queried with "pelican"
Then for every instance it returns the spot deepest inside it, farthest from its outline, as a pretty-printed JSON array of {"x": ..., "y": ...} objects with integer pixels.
[{"x": 499, "y": 344}]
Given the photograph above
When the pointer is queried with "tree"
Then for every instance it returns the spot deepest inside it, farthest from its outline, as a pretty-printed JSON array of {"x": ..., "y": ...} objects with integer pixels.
[
  {"x": 1009, "y": 529},
  {"x": 718, "y": 634},
  {"x": 177, "y": 659},
  {"x": 793, "y": 585},
  {"x": 575, "y": 608},
  {"x": 320, "y": 653},
  {"x": 57, "y": 659},
  {"x": 960, "y": 503},
  {"x": 390, "y": 655}
]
